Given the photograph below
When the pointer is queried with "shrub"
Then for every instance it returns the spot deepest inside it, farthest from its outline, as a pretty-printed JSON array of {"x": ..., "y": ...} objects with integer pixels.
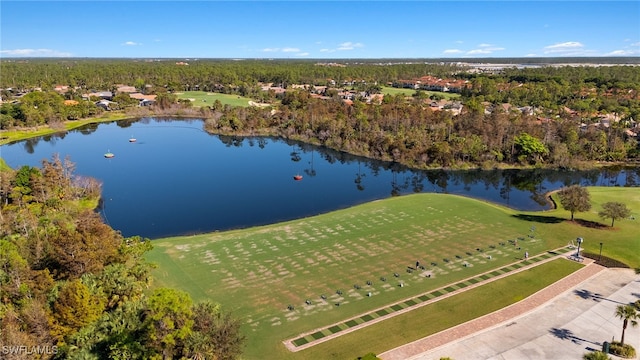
[
  {"x": 625, "y": 351},
  {"x": 596, "y": 355}
]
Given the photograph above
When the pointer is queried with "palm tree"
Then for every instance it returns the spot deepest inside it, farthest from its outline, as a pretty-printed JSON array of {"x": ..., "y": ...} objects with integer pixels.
[{"x": 629, "y": 315}]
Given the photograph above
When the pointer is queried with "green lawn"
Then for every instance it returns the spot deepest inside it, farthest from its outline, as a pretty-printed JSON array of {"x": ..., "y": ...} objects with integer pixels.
[
  {"x": 622, "y": 241},
  {"x": 441, "y": 315},
  {"x": 386, "y": 90},
  {"x": 7, "y": 136},
  {"x": 203, "y": 98},
  {"x": 256, "y": 273}
]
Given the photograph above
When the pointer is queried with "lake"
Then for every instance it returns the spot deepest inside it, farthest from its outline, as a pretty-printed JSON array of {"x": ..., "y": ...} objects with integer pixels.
[{"x": 176, "y": 179}]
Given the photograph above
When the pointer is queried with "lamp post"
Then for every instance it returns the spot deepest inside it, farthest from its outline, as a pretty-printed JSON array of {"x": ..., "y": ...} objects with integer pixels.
[
  {"x": 600, "y": 256},
  {"x": 579, "y": 240}
]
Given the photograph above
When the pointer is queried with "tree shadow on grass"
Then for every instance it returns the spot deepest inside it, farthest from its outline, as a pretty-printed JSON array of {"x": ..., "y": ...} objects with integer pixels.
[
  {"x": 539, "y": 219},
  {"x": 591, "y": 224}
]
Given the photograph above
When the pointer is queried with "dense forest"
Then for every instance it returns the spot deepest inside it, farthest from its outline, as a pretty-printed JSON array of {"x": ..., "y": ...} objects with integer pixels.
[
  {"x": 552, "y": 116},
  {"x": 72, "y": 287}
]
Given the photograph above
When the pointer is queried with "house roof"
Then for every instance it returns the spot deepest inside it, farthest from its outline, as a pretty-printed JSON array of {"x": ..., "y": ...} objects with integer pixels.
[{"x": 139, "y": 96}]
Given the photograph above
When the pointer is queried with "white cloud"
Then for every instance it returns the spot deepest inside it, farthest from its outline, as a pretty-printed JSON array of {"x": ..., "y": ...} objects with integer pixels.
[
  {"x": 531, "y": 55},
  {"x": 131, "y": 43},
  {"x": 343, "y": 47},
  {"x": 478, "y": 51},
  {"x": 622, "y": 53},
  {"x": 291, "y": 50},
  {"x": 636, "y": 44},
  {"x": 302, "y": 54},
  {"x": 35, "y": 53},
  {"x": 349, "y": 45},
  {"x": 271, "y": 49},
  {"x": 570, "y": 46},
  {"x": 484, "y": 49},
  {"x": 459, "y": 42},
  {"x": 452, "y": 51}
]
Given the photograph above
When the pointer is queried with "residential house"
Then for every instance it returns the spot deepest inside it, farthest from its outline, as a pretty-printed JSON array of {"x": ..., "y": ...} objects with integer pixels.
[
  {"x": 104, "y": 95},
  {"x": 106, "y": 104},
  {"x": 126, "y": 89}
]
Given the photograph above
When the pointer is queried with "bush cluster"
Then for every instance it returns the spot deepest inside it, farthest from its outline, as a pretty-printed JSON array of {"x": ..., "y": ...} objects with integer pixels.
[{"x": 623, "y": 350}]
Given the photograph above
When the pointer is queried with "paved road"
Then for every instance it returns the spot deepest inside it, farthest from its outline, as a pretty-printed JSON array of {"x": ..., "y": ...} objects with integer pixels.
[{"x": 576, "y": 321}]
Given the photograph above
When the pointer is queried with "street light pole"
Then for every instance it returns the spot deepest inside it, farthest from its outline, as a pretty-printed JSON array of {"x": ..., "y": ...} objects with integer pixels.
[
  {"x": 600, "y": 257},
  {"x": 580, "y": 240}
]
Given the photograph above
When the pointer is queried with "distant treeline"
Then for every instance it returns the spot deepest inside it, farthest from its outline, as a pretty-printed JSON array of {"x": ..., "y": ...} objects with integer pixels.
[
  {"x": 208, "y": 74},
  {"x": 547, "y": 116}
]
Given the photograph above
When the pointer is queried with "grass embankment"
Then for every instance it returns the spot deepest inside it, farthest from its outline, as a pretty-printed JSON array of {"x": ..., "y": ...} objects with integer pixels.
[
  {"x": 258, "y": 272},
  {"x": 203, "y": 98},
  {"x": 8, "y": 136},
  {"x": 3, "y": 165},
  {"x": 386, "y": 90}
]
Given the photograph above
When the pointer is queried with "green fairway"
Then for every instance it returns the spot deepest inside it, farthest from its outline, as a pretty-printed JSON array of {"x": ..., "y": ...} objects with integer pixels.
[
  {"x": 386, "y": 90},
  {"x": 258, "y": 272},
  {"x": 203, "y": 98}
]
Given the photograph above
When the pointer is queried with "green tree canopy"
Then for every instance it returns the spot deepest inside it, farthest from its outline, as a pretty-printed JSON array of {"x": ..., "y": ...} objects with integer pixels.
[
  {"x": 529, "y": 147},
  {"x": 575, "y": 198},
  {"x": 614, "y": 210},
  {"x": 169, "y": 319}
]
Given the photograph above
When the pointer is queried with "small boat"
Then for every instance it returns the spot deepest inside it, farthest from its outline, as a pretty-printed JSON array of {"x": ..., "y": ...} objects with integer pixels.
[
  {"x": 109, "y": 154},
  {"x": 132, "y": 139},
  {"x": 297, "y": 177}
]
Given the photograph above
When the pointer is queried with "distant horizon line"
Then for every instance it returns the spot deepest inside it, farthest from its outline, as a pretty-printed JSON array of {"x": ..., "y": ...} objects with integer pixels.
[{"x": 195, "y": 58}]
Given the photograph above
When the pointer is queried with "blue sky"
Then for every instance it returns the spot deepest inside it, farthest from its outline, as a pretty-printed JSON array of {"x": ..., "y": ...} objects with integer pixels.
[{"x": 319, "y": 29}]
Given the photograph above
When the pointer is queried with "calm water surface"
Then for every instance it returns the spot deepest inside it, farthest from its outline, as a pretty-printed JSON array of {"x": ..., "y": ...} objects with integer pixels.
[{"x": 176, "y": 179}]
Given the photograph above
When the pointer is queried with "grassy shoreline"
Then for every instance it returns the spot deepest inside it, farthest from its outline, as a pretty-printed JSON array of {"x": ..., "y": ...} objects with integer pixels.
[
  {"x": 256, "y": 272},
  {"x": 9, "y": 136}
]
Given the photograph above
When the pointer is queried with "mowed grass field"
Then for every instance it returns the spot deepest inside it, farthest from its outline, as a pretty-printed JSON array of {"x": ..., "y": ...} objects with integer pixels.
[
  {"x": 203, "y": 98},
  {"x": 256, "y": 273},
  {"x": 386, "y": 90}
]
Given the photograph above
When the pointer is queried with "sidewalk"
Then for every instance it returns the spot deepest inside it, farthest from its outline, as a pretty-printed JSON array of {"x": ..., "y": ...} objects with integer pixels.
[{"x": 563, "y": 321}]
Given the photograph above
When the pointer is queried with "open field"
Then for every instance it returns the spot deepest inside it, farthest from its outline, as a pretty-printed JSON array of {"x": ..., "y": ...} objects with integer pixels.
[
  {"x": 257, "y": 273},
  {"x": 386, "y": 90},
  {"x": 203, "y": 98}
]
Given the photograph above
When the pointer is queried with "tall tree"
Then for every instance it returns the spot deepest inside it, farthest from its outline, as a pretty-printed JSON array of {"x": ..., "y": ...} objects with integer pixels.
[
  {"x": 75, "y": 307},
  {"x": 614, "y": 210},
  {"x": 169, "y": 320},
  {"x": 215, "y": 335},
  {"x": 629, "y": 315},
  {"x": 575, "y": 198}
]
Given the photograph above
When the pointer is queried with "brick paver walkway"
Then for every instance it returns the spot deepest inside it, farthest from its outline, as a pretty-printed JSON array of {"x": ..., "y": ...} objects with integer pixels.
[{"x": 471, "y": 327}]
